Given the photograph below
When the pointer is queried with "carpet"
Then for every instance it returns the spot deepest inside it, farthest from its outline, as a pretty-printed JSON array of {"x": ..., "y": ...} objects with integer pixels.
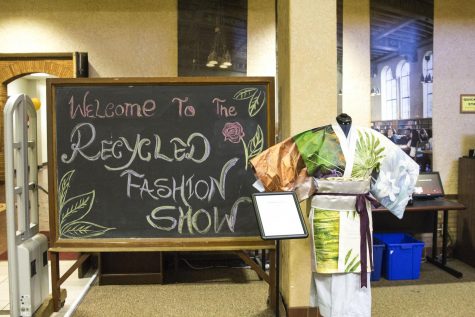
[
  {"x": 200, "y": 293},
  {"x": 238, "y": 292}
]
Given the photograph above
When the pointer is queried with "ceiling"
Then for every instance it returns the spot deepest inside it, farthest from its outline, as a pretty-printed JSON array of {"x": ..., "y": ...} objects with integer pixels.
[{"x": 398, "y": 28}]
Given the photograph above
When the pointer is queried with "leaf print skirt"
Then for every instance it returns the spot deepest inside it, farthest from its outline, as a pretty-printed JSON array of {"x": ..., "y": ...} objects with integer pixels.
[{"x": 335, "y": 225}]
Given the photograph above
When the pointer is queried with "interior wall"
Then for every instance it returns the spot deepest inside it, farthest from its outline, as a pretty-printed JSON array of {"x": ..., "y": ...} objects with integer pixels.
[
  {"x": 454, "y": 61},
  {"x": 42, "y": 121},
  {"x": 135, "y": 38},
  {"x": 261, "y": 38},
  {"x": 356, "y": 62},
  {"x": 123, "y": 38}
]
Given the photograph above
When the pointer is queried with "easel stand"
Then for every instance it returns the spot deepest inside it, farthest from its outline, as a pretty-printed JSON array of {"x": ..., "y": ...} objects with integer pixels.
[{"x": 271, "y": 278}]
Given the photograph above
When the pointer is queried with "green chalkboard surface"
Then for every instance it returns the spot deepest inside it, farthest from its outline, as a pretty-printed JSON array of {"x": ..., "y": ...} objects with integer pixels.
[{"x": 155, "y": 158}]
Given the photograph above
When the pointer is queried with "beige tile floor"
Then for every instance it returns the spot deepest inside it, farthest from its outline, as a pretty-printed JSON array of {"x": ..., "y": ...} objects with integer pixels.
[{"x": 75, "y": 287}]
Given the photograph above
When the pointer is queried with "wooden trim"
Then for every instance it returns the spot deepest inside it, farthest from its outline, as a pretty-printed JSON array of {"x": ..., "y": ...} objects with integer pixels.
[
  {"x": 191, "y": 244},
  {"x": 303, "y": 312},
  {"x": 35, "y": 56},
  {"x": 131, "y": 278},
  {"x": 159, "y": 80},
  {"x": 51, "y": 139}
]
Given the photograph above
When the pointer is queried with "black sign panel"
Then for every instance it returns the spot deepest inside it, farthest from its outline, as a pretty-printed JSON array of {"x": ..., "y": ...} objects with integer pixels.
[{"x": 156, "y": 158}]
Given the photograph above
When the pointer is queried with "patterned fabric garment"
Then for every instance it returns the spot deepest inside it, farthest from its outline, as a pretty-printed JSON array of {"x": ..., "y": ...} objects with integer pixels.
[
  {"x": 324, "y": 160},
  {"x": 336, "y": 234}
]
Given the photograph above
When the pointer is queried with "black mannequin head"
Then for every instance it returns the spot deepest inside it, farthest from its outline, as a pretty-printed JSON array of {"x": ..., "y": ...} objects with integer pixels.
[{"x": 343, "y": 119}]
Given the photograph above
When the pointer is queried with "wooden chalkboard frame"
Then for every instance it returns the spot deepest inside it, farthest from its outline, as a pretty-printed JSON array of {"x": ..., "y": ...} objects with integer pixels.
[{"x": 146, "y": 244}]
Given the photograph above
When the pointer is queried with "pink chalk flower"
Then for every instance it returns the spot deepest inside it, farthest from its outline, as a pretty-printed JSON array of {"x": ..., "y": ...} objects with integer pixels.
[{"x": 233, "y": 132}]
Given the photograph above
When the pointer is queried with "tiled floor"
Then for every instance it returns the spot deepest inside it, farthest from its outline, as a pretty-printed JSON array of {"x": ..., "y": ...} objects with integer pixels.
[{"x": 74, "y": 286}]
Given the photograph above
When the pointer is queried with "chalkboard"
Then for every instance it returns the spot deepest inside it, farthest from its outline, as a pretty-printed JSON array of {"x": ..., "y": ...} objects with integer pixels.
[{"x": 134, "y": 160}]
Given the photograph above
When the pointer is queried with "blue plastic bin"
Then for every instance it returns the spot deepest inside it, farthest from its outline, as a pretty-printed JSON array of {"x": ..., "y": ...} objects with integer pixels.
[
  {"x": 378, "y": 248},
  {"x": 402, "y": 256}
]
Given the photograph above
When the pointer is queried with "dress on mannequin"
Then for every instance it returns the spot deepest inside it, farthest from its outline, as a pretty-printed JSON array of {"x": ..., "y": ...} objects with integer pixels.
[{"x": 345, "y": 164}]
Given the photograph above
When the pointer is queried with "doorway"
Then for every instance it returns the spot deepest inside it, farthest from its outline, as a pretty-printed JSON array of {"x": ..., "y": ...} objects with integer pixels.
[{"x": 15, "y": 66}]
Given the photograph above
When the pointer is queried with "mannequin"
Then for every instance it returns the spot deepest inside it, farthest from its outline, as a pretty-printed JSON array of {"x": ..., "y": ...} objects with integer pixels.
[
  {"x": 344, "y": 121},
  {"x": 344, "y": 171}
]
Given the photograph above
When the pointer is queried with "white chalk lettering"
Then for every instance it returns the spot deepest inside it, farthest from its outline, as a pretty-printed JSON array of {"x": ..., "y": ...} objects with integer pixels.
[
  {"x": 188, "y": 221},
  {"x": 119, "y": 154},
  {"x": 181, "y": 189}
]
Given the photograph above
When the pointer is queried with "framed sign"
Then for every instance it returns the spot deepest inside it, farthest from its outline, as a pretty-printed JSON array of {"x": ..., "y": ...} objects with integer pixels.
[
  {"x": 156, "y": 163},
  {"x": 467, "y": 103},
  {"x": 279, "y": 216}
]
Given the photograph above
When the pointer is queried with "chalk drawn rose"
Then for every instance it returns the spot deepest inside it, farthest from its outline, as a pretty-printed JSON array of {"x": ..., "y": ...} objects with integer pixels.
[{"x": 233, "y": 132}]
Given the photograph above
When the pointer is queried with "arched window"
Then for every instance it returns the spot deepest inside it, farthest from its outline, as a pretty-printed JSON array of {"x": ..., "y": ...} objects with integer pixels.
[
  {"x": 388, "y": 94},
  {"x": 427, "y": 74},
  {"x": 403, "y": 74}
]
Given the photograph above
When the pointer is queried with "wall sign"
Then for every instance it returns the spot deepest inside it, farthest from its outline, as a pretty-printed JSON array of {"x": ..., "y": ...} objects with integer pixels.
[{"x": 467, "y": 103}]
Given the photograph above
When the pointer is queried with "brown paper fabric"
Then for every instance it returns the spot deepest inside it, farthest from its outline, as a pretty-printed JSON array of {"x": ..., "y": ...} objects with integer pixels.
[{"x": 280, "y": 164}]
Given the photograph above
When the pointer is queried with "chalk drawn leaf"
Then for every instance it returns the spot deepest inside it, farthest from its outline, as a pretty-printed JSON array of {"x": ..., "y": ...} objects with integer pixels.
[
  {"x": 257, "y": 102},
  {"x": 83, "y": 229},
  {"x": 256, "y": 144},
  {"x": 244, "y": 93},
  {"x": 73, "y": 210},
  {"x": 77, "y": 207},
  {"x": 64, "y": 186}
]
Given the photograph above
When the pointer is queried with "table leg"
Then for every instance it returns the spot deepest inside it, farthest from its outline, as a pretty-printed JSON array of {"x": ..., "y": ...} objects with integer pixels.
[
  {"x": 434, "y": 235},
  {"x": 442, "y": 263},
  {"x": 444, "y": 237}
]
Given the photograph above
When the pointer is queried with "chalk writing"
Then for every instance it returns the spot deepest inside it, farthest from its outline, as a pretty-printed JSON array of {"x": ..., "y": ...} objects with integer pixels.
[
  {"x": 157, "y": 161},
  {"x": 184, "y": 187},
  {"x": 143, "y": 149},
  {"x": 190, "y": 218},
  {"x": 187, "y": 110},
  {"x": 222, "y": 110},
  {"x": 93, "y": 109}
]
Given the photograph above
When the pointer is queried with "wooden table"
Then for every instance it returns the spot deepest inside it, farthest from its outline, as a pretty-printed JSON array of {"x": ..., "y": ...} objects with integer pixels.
[{"x": 434, "y": 205}]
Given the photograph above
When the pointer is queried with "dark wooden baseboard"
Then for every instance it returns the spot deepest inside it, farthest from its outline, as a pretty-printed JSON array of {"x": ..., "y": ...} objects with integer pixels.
[
  {"x": 131, "y": 279},
  {"x": 125, "y": 268},
  {"x": 302, "y": 312}
]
